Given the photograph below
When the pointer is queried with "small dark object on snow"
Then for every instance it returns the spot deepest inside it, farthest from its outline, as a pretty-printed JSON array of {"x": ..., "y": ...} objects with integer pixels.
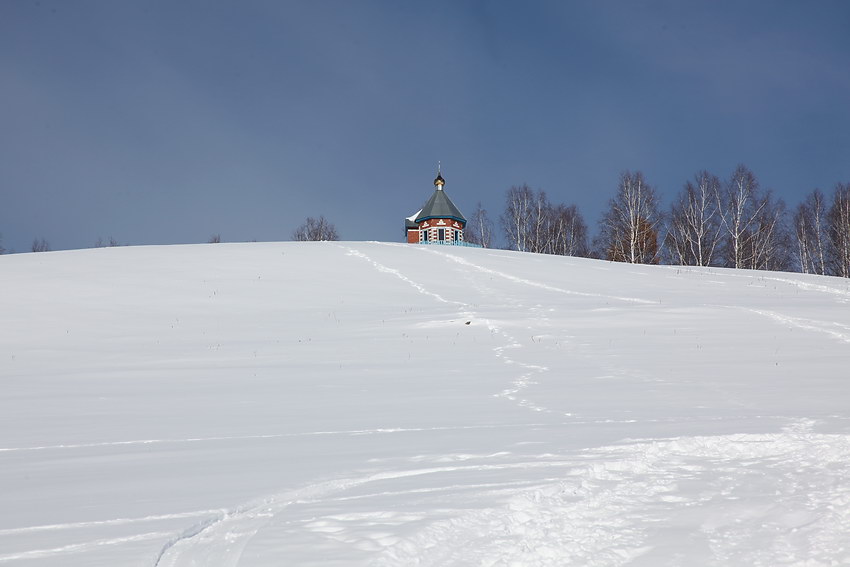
[{"x": 468, "y": 322}]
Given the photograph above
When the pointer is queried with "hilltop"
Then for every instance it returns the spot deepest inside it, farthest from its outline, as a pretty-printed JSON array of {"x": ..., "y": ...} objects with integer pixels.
[{"x": 386, "y": 404}]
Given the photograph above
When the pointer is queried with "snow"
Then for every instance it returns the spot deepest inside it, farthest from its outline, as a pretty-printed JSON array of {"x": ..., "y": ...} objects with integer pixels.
[{"x": 389, "y": 404}]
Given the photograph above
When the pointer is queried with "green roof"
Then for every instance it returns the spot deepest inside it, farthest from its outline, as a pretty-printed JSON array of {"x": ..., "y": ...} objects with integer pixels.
[{"x": 439, "y": 206}]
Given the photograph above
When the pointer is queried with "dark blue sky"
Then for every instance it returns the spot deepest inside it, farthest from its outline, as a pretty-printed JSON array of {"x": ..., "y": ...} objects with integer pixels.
[{"x": 165, "y": 122}]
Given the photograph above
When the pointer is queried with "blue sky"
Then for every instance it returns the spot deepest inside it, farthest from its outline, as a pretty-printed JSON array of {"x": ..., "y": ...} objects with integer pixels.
[{"x": 163, "y": 122}]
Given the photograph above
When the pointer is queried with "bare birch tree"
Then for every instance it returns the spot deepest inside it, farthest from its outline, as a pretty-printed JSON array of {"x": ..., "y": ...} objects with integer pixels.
[
  {"x": 479, "y": 229},
  {"x": 540, "y": 238},
  {"x": 810, "y": 231},
  {"x": 740, "y": 208},
  {"x": 769, "y": 243},
  {"x": 695, "y": 222},
  {"x": 568, "y": 231},
  {"x": 518, "y": 217},
  {"x": 753, "y": 225},
  {"x": 532, "y": 224},
  {"x": 315, "y": 229},
  {"x": 838, "y": 219},
  {"x": 629, "y": 228}
]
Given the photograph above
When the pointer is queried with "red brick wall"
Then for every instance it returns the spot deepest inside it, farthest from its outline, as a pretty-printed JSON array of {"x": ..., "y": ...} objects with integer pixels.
[{"x": 413, "y": 234}]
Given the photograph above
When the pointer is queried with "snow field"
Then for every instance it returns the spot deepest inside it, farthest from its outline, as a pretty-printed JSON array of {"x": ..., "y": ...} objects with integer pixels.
[{"x": 329, "y": 404}]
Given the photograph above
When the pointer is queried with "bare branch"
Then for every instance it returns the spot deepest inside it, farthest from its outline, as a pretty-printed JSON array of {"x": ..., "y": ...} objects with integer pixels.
[
  {"x": 315, "y": 229},
  {"x": 40, "y": 245},
  {"x": 629, "y": 228}
]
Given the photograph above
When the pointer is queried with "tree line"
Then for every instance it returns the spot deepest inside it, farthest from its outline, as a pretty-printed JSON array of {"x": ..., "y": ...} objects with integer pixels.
[
  {"x": 311, "y": 229},
  {"x": 733, "y": 223}
]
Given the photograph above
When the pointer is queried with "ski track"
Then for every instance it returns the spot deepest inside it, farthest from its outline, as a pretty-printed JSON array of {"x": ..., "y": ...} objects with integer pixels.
[
  {"x": 83, "y": 547},
  {"x": 524, "y": 380},
  {"x": 521, "y": 382},
  {"x": 843, "y": 295},
  {"x": 382, "y": 268},
  {"x": 115, "y": 522},
  {"x": 806, "y": 324},
  {"x": 222, "y": 540},
  {"x": 351, "y": 432},
  {"x": 532, "y": 283}
]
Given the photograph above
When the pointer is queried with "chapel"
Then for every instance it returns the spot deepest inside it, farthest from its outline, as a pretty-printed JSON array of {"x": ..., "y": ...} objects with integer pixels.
[{"x": 439, "y": 221}]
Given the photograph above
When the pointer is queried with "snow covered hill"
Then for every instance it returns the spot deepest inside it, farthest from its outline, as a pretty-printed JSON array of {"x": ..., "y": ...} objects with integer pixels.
[{"x": 383, "y": 404}]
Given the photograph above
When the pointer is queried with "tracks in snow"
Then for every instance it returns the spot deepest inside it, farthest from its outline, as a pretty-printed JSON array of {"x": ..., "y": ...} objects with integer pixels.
[
  {"x": 756, "y": 499},
  {"x": 191, "y": 440},
  {"x": 221, "y": 540},
  {"x": 613, "y": 507},
  {"x": 527, "y": 371},
  {"x": 735, "y": 499},
  {"x": 830, "y": 328},
  {"x": 531, "y": 283},
  {"x": 80, "y": 547}
]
